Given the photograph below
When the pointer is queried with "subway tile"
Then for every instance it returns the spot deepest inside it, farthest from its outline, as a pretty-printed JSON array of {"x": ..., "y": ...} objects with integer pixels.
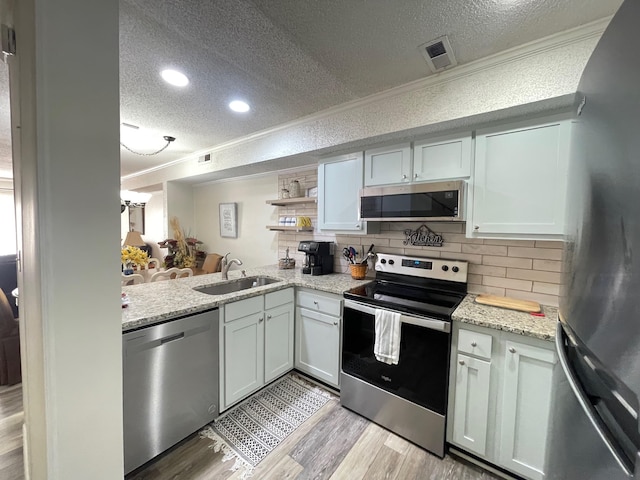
[
  {"x": 547, "y": 265},
  {"x": 551, "y": 300},
  {"x": 467, "y": 257},
  {"x": 510, "y": 243},
  {"x": 391, "y": 250},
  {"x": 462, "y": 238},
  {"x": 507, "y": 283},
  {"x": 485, "y": 249},
  {"x": 474, "y": 288},
  {"x": 540, "y": 253},
  {"x": 535, "y": 275},
  {"x": 549, "y": 244},
  {"x": 477, "y": 279},
  {"x": 546, "y": 288},
  {"x": 487, "y": 270},
  {"x": 507, "y": 261}
]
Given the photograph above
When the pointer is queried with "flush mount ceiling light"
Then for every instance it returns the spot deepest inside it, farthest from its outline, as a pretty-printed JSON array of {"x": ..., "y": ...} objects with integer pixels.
[
  {"x": 239, "y": 106},
  {"x": 174, "y": 77}
]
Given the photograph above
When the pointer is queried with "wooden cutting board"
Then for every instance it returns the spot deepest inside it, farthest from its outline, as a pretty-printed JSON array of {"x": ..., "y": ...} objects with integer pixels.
[{"x": 510, "y": 303}]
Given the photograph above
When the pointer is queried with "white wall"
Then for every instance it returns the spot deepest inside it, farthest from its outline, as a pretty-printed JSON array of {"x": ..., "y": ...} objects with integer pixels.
[
  {"x": 67, "y": 181},
  {"x": 178, "y": 202},
  {"x": 155, "y": 224},
  {"x": 255, "y": 245}
]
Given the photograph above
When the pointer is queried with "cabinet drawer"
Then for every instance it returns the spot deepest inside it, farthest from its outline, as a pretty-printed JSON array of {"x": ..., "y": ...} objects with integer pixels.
[
  {"x": 320, "y": 303},
  {"x": 242, "y": 308},
  {"x": 275, "y": 299},
  {"x": 474, "y": 343}
]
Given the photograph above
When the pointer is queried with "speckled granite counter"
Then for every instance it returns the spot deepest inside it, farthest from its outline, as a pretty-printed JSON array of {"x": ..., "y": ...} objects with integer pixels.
[
  {"x": 159, "y": 301},
  {"x": 512, "y": 321}
]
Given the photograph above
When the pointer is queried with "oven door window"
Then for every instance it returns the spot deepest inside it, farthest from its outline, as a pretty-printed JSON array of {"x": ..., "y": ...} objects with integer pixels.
[{"x": 422, "y": 372}]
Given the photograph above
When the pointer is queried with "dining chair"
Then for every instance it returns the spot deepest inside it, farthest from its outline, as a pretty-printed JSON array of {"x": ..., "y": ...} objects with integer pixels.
[
  {"x": 212, "y": 263},
  {"x": 132, "y": 279},
  {"x": 10, "y": 368},
  {"x": 171, "y": 273}
]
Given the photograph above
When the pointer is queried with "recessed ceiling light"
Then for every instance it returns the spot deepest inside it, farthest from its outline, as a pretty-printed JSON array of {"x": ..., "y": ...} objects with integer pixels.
[
  {"x": 239, "y": 106},
  {"x": 175, "y": 78}
]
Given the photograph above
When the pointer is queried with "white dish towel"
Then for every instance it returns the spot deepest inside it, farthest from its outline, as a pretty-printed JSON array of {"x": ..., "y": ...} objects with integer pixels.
[{"x": 387, "y": 343}]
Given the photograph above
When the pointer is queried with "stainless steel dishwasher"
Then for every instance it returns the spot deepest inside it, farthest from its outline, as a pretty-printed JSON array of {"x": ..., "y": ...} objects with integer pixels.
[{"x": 170, "y": 385}]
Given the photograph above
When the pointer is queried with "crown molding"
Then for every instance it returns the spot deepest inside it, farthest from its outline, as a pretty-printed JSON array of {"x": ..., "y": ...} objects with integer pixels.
[{"x": 559, "y": 40}]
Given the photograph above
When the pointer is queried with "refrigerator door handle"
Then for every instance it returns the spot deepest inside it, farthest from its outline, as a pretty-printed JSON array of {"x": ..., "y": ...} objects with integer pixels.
[{"x": 588, "y": 408}]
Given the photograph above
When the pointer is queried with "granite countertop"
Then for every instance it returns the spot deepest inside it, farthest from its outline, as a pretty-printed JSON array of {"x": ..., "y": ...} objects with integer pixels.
[
  {"x": 159, "y": 301},
  {"x": 512, "y": 321}
]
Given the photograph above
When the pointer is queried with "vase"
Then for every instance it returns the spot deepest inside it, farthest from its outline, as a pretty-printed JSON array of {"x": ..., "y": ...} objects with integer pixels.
[{"x": 127, "y": 268}]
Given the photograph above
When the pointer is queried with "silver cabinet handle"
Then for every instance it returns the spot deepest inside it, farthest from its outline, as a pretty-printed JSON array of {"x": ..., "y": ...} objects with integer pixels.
[
  {"x": 260, "y": 320},
  {"x": 512, "y": 350},
  {"x": 315, "y": 302},
  {"x": 477, "y": 227},
  {"x": 474, "y": 344},
  {"x": 404, "y": 177},
  {"x": 415, "y": 175},
  {"x": 461, "y": 362},
  {"x": 335, "y": 323},
  {"x": 268, "y": 317},
  {"x": 357, "y": 226}
]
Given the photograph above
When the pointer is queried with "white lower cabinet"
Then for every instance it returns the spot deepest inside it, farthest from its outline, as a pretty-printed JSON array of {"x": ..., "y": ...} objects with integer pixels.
[
  {"x": 471, "y": 404},
  {"x": 317, "y": 347},
  {"x": 256, "y": 344},
  {"x": 526, "y": 405},
  {"x": 500, "y": 403}
]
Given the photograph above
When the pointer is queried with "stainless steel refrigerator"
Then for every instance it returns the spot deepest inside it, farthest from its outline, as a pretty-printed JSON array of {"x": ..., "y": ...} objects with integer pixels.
[{"x": 594, "y": 430}]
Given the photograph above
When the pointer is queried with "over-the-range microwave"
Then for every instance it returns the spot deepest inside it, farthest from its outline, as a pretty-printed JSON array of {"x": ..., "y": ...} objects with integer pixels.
[{"x": 437, "y": 201}]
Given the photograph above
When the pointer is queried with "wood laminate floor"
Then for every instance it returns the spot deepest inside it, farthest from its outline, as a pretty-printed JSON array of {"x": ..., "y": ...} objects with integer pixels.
[
  {"x": 11, "y": 418},
  {"x": 333, "y": 444}
]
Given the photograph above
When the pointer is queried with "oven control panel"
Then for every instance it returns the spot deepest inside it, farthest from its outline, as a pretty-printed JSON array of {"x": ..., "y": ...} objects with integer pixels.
[{"x": 437, "y": 268}]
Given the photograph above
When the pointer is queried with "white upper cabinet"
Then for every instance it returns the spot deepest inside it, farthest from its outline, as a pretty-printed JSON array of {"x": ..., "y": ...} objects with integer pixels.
[
  {"x": 519, "y": 185},
  {"x": 339, "y": 184},
  {"x": 428, "y": 161},
  {"x": 439, "y": 159},
  {"x": 387, "y": 165}
]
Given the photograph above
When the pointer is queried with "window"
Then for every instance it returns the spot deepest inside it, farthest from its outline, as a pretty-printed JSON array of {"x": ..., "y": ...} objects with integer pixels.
[{"x": 7, "y": 219}]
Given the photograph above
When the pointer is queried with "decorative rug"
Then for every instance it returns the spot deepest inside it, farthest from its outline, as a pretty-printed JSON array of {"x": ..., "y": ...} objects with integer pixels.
[{"x": 251, "y": 430}]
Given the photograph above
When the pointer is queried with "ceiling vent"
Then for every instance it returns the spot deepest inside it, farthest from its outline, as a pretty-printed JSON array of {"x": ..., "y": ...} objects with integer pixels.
[
  {"x": 438, "y": 54},
  {"x": 204, "y": 158}
]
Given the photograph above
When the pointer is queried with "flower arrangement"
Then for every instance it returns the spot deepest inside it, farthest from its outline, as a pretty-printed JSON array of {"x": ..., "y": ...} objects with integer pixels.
[
  {"x": 133, "y": 255},
  {"x": 183, "y": 250}
]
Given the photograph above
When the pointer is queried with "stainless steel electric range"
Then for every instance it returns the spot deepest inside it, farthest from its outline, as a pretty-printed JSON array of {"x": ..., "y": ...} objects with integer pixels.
[{"x": 409, "y": 398}]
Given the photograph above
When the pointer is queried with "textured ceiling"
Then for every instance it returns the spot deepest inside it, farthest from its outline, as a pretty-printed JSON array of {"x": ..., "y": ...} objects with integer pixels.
[{"x": 290, "y": 58}]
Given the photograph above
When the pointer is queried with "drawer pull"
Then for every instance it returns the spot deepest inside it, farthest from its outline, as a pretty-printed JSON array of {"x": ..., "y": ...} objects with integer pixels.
[
  {"x": 474, "y": 344},
  {"x": 315, "y": 302},
  {"x": 461, "y": 362},
  {"x": 335, "y": 323},
  {"x": 512, "y": 350},
  {"x": 260, "y": 320},
  {"x": 268, "y": 317},
  {"x": 404, "y": 177}
]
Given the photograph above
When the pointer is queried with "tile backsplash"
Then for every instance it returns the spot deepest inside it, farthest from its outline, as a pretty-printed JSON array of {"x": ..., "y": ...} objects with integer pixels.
[{"x": 524, "y": 269}]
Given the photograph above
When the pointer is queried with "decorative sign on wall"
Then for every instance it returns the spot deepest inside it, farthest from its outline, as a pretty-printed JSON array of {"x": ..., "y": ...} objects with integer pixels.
[
  {"x": 229, "y": 220},
  {"x": 423, "y": 236}
]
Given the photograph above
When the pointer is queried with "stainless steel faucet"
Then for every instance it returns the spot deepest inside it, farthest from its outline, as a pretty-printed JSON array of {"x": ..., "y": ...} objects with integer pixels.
[{"x": 226, "y": 264}]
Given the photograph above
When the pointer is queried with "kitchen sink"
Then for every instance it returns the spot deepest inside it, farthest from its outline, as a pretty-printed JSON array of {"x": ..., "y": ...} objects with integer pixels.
[{"x": 236, "y": 285}]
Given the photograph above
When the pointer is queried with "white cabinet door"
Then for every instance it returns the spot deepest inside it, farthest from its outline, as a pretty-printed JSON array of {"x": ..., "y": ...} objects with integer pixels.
[
  {"x": 339, "y": 184},
  {"x": 520, "y": 181},
  {"x": 526, "y": 403},
  {"x": 318, "y": 345},
  {"x": 243, "y": 357},
  {"x": 387, "y": 165},
  {"x": 278, "y": 341},
  {"x": 441, "y": 159},
  {"x": 471, "y": 410}
]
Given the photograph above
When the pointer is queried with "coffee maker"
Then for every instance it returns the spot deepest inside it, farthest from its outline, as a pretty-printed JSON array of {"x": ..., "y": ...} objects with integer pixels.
[{"x": 319, "y": 257}]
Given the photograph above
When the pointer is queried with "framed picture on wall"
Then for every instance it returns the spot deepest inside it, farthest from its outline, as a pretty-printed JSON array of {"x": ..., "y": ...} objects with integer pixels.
[
  {"x": 229, "y": 220},
  {"x": 136, "y": 219}
]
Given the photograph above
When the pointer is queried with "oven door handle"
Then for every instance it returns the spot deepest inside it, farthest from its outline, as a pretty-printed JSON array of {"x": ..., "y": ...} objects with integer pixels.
[{"x": 430, "y": 323}]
